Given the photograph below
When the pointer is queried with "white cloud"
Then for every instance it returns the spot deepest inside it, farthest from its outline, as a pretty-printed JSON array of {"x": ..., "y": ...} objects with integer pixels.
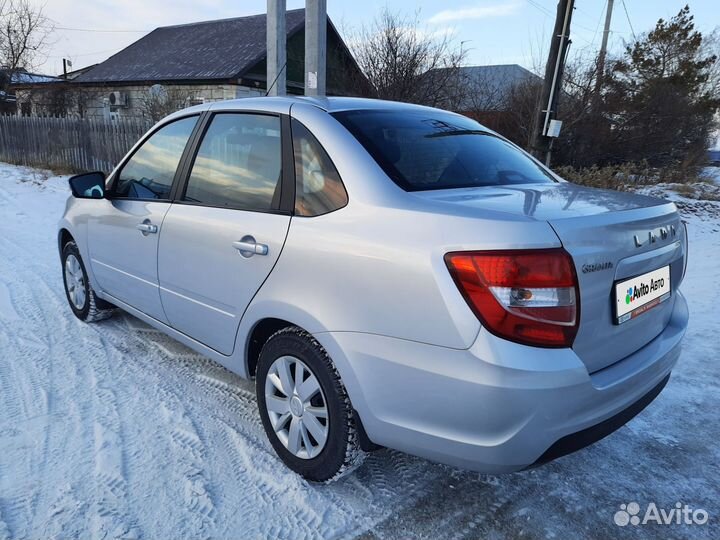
[{"x": 476, "y": 12}]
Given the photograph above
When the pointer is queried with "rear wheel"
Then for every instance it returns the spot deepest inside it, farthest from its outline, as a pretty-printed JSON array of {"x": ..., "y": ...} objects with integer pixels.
[
  {"x": 80, "y": 295},
  {"x": 304, "y": 407}
]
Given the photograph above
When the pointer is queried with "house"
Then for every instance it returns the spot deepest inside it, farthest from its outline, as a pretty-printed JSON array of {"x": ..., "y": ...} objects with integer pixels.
[
  {"x": 501, "y": 97},
  {"x": 10, "y": 80},
  {"x": 489, "y": 89},
  {"x": 176, "y": 66}
]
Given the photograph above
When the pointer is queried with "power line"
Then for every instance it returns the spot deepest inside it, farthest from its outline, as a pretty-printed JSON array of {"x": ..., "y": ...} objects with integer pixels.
[
  {"x": 101, "y": 31},
  {"x": 548, "y": 14},
  {"x": 598, "y": 23},
  {"x": 79, "y": 55},
  {"x": 541, "y": 8},
  {"x": 627, "y": 15}
]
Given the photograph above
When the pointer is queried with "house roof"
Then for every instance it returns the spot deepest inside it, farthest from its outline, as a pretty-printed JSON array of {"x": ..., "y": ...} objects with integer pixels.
[
  {"x": 489, "y": 87},
  {"x": 74, "y": 74},
  {"x": 222, "y": 49},
  {"x": 25, "y": 77}
]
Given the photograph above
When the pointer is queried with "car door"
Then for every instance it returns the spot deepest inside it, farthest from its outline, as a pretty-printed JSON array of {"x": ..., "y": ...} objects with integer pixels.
[
  {"x": 226, "y": 227},
  {"x": 123, "y": 234}
]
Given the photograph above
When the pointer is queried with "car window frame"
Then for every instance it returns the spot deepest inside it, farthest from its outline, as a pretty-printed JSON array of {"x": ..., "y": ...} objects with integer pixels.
[
  {"x": 114, "y": 178},
  {"x": 285, "y": 203}
]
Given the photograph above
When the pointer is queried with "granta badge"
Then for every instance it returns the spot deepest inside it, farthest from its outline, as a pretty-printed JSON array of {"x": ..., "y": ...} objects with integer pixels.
[{"x": 596, "y": 267}]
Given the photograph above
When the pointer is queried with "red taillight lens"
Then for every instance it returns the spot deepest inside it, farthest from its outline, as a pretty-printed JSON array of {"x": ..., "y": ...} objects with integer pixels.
[{"x": 528, "y": 296}]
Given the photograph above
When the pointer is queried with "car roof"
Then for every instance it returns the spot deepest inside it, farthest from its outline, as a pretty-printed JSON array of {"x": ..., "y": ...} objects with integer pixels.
[{"x": 280, "y": 104}]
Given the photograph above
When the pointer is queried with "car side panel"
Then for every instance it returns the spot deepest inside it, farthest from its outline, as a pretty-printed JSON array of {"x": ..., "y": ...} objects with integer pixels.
[
  {"x": 205, "y": 283},
  {"x": 376, "y": 266},
  {"x": 124, "y": 259}
]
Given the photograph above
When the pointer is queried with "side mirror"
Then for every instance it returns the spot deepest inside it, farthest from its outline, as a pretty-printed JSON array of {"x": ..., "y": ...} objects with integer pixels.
[{"x": 88, "y": 185}]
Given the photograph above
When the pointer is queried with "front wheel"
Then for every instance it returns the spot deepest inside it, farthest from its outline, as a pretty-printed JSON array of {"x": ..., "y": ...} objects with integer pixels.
[
  {"x": 304, "y": 407},
  {"x": 80, "y": 295}
]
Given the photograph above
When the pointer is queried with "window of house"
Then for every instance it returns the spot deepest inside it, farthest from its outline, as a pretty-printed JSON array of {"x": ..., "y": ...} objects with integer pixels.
[
  {"x": 149, "y": 173},
  {"x": 318, "y": 188},
  {"x": 238, "y": 164}
]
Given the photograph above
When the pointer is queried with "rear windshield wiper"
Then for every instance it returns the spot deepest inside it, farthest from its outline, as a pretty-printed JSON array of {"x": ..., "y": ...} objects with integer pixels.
[{"x": 458, "y": 132}]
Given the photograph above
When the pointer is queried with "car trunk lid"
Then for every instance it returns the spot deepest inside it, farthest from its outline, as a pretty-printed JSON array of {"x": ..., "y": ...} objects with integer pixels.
[
  {"x": 611, "y": 236},
  {"x": 613, "y": 247}
]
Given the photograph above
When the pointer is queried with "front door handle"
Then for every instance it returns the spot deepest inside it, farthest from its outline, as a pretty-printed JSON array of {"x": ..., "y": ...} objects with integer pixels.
[
  {"x": 146, "y": 227},
  {"x": 248, "y": 247}
]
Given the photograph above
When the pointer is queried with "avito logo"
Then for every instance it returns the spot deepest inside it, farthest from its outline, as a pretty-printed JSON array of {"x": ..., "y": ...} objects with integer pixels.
[{"x": 633, "y": 293}]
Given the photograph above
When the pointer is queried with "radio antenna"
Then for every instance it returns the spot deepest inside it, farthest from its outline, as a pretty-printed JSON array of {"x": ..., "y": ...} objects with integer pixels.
[{"x": 276, "y": 78}]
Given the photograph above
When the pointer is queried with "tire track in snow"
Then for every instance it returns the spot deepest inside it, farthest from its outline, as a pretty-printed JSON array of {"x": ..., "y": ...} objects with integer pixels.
[
  {"x": 4, "y": 531},
  {"x": 189, "y": 454},
  {"x": 110, "y": 516},
  {"x": 57, "y": 339},
  {"x": 238, "y": 434},
  {"x": 25, "y": 391},
  {"x": 66, "y": 516},
  {"x": 184, "y": 448}
]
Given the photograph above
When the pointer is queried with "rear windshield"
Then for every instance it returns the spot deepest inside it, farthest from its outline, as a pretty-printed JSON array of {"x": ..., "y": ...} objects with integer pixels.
[{"x": 422, "y": 150}]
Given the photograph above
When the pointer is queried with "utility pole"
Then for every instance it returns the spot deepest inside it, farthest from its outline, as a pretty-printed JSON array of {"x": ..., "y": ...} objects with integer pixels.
[
  {"x": 603, "y": 50},
  {"x": 315, "y": 47},
  {"x": 276, "y": 48},
  {"x": 542, "y": 144}
]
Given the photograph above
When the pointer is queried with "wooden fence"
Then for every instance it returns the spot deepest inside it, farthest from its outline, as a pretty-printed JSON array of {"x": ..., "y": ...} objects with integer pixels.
[{"x": 67, "y": 144}]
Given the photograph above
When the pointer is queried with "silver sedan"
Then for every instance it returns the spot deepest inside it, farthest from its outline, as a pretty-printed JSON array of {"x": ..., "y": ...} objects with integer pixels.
[{"x": 391, "y": 275}]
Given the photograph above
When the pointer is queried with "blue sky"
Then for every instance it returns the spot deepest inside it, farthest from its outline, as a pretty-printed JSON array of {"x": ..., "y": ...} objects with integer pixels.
[{"x": 493, "y": 31}]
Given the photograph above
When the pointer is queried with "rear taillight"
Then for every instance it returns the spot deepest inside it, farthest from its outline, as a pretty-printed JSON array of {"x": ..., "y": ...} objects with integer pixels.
[{"x": 527, "y": 296}]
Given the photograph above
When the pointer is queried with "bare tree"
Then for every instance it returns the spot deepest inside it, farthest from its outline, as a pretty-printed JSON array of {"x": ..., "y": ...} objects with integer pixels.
[
  {"x": 24, "y": 34},
  {"x": 159, "y": 101},
  {"x": 61, "y": 99},
  {"x": 404, "y": 62}
]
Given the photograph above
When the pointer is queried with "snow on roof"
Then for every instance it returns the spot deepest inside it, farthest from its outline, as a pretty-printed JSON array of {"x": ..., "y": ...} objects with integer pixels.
[{"x": 23, "y": 77}]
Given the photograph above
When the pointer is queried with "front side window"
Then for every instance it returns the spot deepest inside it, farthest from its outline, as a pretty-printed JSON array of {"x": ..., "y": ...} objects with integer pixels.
[
  {"x": 239, "y": 163},
  {"x": 149, "y": 173},
  {"x": 422, "y": 150},
  {"x": 318, "y": 188}
]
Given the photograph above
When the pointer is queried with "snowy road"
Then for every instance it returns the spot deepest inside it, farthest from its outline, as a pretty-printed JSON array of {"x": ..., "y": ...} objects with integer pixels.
[{"x": 113, "y": 430}]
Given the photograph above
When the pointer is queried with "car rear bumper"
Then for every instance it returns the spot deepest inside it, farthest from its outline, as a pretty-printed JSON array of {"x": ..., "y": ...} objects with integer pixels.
[{"x": 497, "y": 406}]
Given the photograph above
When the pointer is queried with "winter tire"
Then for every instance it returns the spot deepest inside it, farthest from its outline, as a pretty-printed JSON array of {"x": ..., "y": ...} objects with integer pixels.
[
  {"x": 80, "y": 295},
  {"x": 304, "y": 407}
]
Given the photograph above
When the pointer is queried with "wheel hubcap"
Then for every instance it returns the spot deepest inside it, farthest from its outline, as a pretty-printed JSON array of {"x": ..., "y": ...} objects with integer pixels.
[
  {"x": 296, "y": 407},
  {"x": 75, "y": 281}
]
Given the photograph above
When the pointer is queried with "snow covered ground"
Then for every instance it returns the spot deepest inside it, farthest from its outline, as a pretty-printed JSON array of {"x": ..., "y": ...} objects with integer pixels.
[{"x": 114, "y": 431}]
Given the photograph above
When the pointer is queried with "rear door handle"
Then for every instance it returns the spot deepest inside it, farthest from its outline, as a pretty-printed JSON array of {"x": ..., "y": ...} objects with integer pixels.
[
  {"x": 248, "y": 247},
  {"x": 146, "y": 227}
]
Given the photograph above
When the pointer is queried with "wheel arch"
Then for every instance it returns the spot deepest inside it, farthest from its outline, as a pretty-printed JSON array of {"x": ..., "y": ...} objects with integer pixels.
[
  {"x": 260, "y": 333},
  {"x": 265, "y": 328},
  {"x": 64, "y": 236}
]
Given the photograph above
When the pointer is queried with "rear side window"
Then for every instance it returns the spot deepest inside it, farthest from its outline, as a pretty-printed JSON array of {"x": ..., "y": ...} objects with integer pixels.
[
  {"x": 422, "y": 150},
  {"x": 238, "y": 164},
  {"x": 149, "y": 173},
  {"x": 318, "y": 188}
]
